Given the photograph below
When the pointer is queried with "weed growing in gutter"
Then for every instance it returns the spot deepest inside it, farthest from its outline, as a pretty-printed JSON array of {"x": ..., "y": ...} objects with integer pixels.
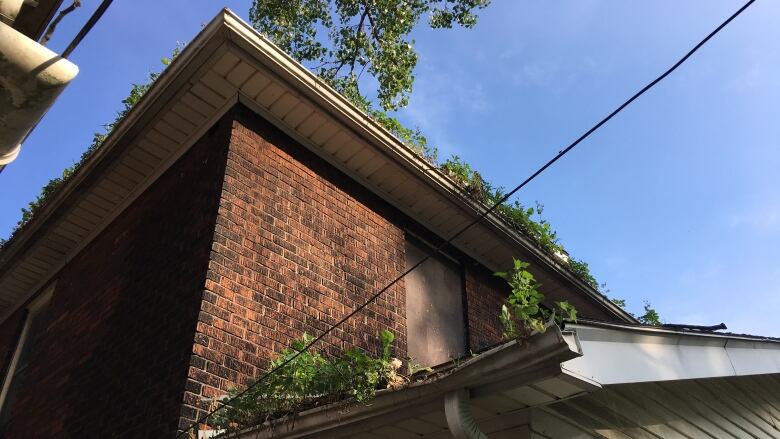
[
  {"x": 523, "y": 313},
  {"x": 308, "y": 381}
]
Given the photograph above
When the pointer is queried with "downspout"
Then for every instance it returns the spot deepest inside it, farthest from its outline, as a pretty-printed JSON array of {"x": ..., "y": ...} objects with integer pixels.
[{"x": 457, "y": 409}]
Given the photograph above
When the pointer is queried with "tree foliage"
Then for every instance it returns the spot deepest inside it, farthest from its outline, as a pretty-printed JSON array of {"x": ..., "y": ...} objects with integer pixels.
[{"x": 341, "y": 39}]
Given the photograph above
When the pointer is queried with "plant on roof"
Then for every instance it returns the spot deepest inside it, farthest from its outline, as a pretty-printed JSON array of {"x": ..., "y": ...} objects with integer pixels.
[
  {"x": 308, "y": 380},
  {"x": 523, "y": 313},
  {"x": 342, "y": 39},
  {"x": 650, "y": 316}
]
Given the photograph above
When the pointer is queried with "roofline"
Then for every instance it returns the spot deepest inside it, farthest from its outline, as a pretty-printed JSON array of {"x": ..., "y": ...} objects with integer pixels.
[
  {"x": 623, "y": 354},
  {"x": 374, "y": 131},
  {"x": 227, "y": 26},
  {"x": 509, "y": 365},
  {"x": 662, "y": 330}
]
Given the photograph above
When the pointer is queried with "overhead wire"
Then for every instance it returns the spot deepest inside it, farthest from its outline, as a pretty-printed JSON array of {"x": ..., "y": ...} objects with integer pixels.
[
  {"x": 86, "y": 28},
  {"x": 479, "y": 218}
]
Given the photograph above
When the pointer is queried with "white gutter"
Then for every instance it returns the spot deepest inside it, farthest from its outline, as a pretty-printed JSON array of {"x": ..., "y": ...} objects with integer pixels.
[
  {"x": 621, "y": 354},
  {"x": 31, "y": 78},
  {"x": 9, "y": 9}
]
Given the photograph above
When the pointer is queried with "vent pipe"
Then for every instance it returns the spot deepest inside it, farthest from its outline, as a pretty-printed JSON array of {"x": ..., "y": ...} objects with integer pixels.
[
  {"x": 31, "y": 78},
  {"x": 9, "y": 9}
]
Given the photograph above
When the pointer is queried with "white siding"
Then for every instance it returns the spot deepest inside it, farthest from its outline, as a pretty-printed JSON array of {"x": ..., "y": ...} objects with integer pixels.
[{"x": 734, "y": 407}]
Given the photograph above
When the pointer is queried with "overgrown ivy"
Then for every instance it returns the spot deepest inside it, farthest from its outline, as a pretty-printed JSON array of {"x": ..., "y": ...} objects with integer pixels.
[
  {"x": 523, "y": 313},
  {"x": 309, "y": 380}
]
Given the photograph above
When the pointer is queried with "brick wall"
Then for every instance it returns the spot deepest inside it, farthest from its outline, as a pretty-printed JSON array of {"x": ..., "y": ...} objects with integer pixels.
[
  {"x": 297, "y": 246},
  {"x": 485, "y": 294},
  {"x": 112, "y": 357}
]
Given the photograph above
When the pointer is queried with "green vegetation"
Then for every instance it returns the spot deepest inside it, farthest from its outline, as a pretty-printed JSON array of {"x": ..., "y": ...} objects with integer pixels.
[
  {"x": 341, "y": 39},
  {"x": 523, "y": 313},
  {"x": 309, "y": 380},
  {"x": 294, "y": 25},
  {"x": 650, "y": 317}
]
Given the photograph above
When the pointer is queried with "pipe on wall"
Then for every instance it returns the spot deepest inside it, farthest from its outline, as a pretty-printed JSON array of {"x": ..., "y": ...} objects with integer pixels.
[{"x": 31, "y": 78}]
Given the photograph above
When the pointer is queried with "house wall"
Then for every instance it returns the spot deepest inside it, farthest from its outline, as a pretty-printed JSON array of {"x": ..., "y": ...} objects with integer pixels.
[
  {"x": 485, "y": 294},
  {"x": 297, "y": 246},
  {"x": 111, "y": 358}
]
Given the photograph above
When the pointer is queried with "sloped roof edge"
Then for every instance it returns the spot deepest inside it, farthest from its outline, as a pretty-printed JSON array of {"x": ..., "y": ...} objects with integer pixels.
[{"x": 211, "y": 67}]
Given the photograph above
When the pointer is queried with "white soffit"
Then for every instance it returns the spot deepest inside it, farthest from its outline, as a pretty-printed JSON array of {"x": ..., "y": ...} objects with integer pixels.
[
  {"x": 228, "y": 63},
  {"x": 615, "y": 354}
]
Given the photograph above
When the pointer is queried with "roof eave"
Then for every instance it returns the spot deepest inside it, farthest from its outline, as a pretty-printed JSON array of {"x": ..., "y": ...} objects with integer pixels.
[{"x": 227, "y": 27}]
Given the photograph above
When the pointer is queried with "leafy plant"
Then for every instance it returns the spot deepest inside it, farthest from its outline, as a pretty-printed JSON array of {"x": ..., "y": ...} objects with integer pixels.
[
  {"x": 650, "y": 317},
  {"x": 310, "y": 379},
  {"x": 523, "y": 313}
]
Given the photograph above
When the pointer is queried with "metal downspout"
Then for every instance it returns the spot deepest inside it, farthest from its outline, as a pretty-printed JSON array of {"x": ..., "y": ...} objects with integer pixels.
[{"x": 457, "y": 409}]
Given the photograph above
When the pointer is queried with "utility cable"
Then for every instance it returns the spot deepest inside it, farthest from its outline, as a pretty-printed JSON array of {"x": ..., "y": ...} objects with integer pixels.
[
  {"x": 86, "y": 28},
  {"x": 441, "y": 246}
]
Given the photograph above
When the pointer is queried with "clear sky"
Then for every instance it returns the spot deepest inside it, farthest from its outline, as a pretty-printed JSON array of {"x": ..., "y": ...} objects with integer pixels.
[{"x": 677, "y": 200}]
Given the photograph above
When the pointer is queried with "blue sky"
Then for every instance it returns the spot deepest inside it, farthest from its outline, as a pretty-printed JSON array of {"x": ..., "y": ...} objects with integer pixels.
[{"x": 675, "y": 201}]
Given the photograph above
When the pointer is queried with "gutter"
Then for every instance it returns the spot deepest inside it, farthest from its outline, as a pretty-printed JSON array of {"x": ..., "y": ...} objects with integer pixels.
[
  {"x": 507, "y": 366},
  {"x": 650, "y": 354}
]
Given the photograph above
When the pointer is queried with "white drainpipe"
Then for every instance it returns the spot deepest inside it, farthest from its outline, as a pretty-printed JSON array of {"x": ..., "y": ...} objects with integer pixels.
[
  {"x": 31, "y": 78},
  {"x": 9, "y": 9},
  {"x": 457, "y": 409}
]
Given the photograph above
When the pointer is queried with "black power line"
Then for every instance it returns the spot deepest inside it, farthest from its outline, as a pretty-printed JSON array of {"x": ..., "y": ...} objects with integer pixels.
[
  {"x": 87, "y": 27},
  {"x": 480, "y": 217}
]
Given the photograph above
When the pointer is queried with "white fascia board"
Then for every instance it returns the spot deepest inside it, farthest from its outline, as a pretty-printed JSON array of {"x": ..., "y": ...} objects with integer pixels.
[{"x": 613, "y": 355}]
